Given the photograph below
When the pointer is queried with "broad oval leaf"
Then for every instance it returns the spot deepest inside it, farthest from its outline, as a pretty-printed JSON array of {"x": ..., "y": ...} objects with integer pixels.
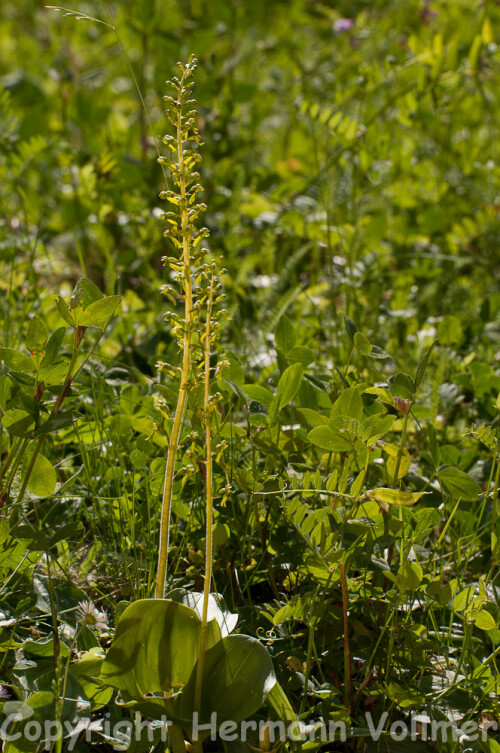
[
  {"x": 84, "y": 293},
  {"x": 237, "y": 676},
  {"x": 155, "y": 648},
  {"x": 217, "y": 609}
]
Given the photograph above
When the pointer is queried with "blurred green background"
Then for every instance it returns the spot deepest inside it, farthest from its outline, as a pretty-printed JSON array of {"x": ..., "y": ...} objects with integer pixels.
[{"x": 350, "y": 157}]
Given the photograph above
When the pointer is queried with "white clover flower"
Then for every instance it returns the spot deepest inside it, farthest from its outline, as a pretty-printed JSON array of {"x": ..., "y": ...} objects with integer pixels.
[{"x": 91, "y": 617}]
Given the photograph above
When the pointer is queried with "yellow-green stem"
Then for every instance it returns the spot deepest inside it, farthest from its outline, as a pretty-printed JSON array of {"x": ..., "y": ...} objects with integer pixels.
[
  {"x": 183, "y": 387},
  {"x": 401, "y": 448},
  {"x": 209, "y": 507}
]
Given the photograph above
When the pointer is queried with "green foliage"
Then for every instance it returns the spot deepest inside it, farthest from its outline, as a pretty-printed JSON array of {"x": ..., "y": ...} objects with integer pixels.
[{"x": 349, "y": 176}]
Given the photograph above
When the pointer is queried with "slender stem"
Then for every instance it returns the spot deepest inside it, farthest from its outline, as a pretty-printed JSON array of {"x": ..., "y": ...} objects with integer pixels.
[
  {"x": 401, "y": 448},
  {"x": 10, "y": 457},
  {"x": 209, "y": 506},
  {"x": 347, "y": 649},
  {"x": 185, "y": 372},
  {"x": 494, "y": 498},
  {"x": 310, "y": 647},
  {"x": 177, "y": 741}
]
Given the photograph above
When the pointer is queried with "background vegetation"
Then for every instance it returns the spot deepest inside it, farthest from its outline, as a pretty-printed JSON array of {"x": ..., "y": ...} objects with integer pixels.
[{"x": 351, "y": 173}]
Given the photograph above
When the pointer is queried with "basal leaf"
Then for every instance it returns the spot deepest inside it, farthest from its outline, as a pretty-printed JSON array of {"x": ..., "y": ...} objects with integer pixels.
[
  {"x": 155, "y": 647},
  {"x": 237, "y": 676}
]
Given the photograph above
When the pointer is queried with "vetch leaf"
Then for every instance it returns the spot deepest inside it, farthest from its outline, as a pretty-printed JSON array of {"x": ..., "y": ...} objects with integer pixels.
[
  {"x": 362, "y": 344},
  {"x": 43, "y": 479},
  {"x": 285, "y": 335},
  {"x": 410, "y": 575},
  {"x": 402, "y": 386},
  {"x": 423, "y": 365},
  {"x": 459, "y": 484},
  {"x": 65, "y": 312},
  {"x": 311, "y": 417},
  {"x": 17, "y": 361},
  {"x": 98, "y": 313},
  {"x": 349, "y": 404},
  {"x": 305, "y": 356},
  {"x": 351, "y": 328},
  {"x": 382, "y": 394},
  {"x": 18, "y": 422},
  {"x": 259, "y": 394},
  {"x": 327, "y": 439},
  {"x": 288, "y": 387},
  {"x": 395, "y": 496},
  {"x": 462, "y": 600},
  {"x": 84, "y": 294},
  {"x": 484, "y": 620},
  {"x": 37, "y": 335},
  {"x": 53, "y": 346}
]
